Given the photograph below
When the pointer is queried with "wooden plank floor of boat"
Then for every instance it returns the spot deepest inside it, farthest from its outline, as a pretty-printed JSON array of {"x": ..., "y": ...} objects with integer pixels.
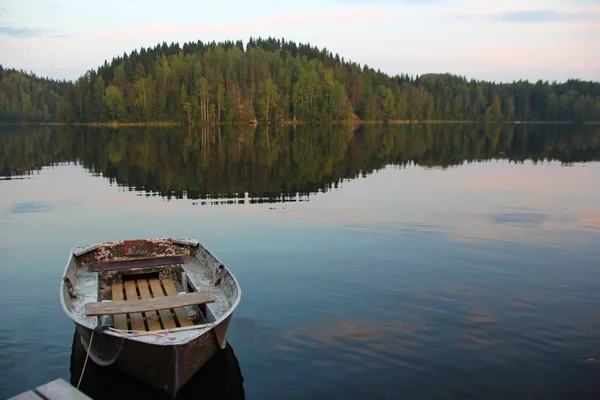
[{"x": 151, "y": 320}]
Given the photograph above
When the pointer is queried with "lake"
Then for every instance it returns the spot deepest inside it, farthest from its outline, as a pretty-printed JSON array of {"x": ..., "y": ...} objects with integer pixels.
[{"x": 423, "y": 261}]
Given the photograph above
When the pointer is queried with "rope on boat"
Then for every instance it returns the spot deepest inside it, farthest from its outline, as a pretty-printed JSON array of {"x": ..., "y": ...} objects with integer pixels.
[
  {"x": 86, "y": 359},
  {"x": 159, "y": 333}
]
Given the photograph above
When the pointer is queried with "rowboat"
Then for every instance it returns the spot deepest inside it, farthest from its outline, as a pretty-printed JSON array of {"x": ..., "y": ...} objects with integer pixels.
[{"x": 156, "y": 309}]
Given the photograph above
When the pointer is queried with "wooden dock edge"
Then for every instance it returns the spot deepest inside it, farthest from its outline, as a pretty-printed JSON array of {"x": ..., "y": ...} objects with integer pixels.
[{"x": 55, "y": 390}]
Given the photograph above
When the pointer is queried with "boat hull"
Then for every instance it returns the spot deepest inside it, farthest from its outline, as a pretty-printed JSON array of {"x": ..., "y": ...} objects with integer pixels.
[{"x": 165, "y": 367}]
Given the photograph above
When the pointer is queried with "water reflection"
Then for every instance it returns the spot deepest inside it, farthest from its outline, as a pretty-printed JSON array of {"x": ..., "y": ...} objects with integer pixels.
[
  {"x": 232, "y": 165},
  {"x": 365, "y": 340},
  {"x": 519, "y": 218},
  {"x": 479, "y": 282},
  {"x": 219, "y": 378},
  {"x": 30, "y": 207}
]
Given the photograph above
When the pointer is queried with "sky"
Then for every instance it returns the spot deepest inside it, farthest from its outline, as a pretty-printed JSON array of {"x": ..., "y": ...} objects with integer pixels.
[{"x": 497, "y": 40}]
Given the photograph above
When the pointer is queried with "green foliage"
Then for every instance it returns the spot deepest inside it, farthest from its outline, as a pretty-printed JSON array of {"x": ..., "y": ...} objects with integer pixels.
[
  {"x": 27, "y": 98},
  {"x": 64, "y": 112},
  {"x": 275, "y": 80},
  {"x": 494, "y": 111},
  {"x": 113, "y": 100}
]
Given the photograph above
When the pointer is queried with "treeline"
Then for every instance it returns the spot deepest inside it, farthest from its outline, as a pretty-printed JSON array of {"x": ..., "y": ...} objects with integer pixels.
[
  {"x": 279, "y": 163},
  {"x": 25, "y": 97},
  {"x": 277, "y": 80}
]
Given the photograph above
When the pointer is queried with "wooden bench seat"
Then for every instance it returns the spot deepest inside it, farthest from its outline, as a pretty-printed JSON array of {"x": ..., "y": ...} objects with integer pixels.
[
  {"x": 137, "y": 263},
  {"x": 145, "y": 305}
]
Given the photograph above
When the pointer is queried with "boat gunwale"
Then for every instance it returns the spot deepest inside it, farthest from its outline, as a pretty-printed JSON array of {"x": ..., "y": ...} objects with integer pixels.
[{"x": 180, "y": 337}]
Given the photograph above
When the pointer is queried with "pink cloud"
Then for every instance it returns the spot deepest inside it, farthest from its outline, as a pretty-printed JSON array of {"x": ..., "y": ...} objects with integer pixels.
[
  {"x": 279, "y": 20},
  {"x": 593, "y": 26},
  {"x": 564, "y": 54},
  {"x": 338, "y": 17}
]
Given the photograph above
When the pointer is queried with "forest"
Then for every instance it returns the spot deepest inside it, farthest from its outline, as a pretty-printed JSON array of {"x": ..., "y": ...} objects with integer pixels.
[{"x": 274, "y": 80}]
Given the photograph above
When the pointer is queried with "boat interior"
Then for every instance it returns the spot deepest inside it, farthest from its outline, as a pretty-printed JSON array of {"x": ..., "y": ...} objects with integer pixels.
[
  {"x": 148, "y": 287},
  {"x": 145, "y": 286},
  {"x": 151, "y": 292},
  {"x": 145, "y": 279}
]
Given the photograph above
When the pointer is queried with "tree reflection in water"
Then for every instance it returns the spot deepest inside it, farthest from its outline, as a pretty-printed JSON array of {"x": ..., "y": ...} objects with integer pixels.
[{"x": 271, "y": 164}]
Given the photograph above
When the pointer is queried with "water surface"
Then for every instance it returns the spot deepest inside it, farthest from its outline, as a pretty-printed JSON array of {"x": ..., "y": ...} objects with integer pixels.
[{"x": 430, "y": 261}]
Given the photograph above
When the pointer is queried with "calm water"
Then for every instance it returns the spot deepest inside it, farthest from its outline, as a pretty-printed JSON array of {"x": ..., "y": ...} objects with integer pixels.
[{"x": 386, "y": 262}]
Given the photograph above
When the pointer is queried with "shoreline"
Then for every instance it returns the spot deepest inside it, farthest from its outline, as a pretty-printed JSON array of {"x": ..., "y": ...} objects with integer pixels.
[{"x": 116, "y": 124}]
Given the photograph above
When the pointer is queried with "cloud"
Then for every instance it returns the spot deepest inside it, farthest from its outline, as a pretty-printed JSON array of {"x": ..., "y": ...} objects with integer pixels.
[
  {"x": 532, "y": 16},
  {"x": 354, "y": 16},
  {"x": 24, "y": 32},
  {"x": 411, "y": 2},
  {"x": 341, "y": 17}
]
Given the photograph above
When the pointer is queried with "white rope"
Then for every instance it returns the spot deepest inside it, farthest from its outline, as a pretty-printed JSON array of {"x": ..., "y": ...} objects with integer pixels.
[
  {"x": 161, "y": 332},
  {"x": 86, "y": 359}
]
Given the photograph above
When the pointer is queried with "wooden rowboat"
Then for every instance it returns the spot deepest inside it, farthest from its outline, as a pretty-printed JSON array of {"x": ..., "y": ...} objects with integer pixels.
[{"x": 157, "y": 309}]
